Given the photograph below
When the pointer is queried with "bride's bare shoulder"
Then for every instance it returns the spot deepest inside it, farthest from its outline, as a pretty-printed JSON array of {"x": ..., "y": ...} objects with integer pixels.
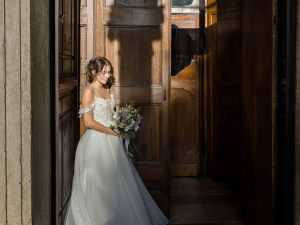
[{"x": 87, "y": 96}]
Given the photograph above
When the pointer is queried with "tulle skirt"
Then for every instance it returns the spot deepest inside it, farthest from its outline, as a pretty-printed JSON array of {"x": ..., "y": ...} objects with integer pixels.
[{"x": 106, "y": 188}]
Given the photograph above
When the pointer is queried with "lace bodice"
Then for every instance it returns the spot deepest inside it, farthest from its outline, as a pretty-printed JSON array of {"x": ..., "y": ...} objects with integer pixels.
[{"x": 102, "y": 109}]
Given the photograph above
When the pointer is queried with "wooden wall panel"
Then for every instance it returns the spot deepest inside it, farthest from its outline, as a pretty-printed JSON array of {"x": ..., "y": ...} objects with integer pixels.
[
  {"x": 223, "y": 90},
  {"x": 258, "y": 158},
  {"x": 224, "y": 5}
]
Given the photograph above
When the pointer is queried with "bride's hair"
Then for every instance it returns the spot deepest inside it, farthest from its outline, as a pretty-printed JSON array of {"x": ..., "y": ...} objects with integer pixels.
[{"x": 98, "y": 63}]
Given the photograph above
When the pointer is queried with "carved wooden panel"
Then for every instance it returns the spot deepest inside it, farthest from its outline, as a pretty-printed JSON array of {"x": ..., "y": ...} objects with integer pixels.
[
  {"x": 67, "y": 20},
  {"x": 148, "y": 140},
  {"x": 183, "y": 118},
  {"x": 223, "y": 91},
  {"x": 185, "y": 97},
  {"x": 67, "y": 145},
  {"x": 66, "y": 39},
  {"x": 132, "y": 16},
  {"x": 141, "y": 68}
]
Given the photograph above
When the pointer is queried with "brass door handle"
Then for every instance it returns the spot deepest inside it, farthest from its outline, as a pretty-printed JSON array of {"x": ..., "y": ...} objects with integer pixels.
[{"x": 165, "y": 94}]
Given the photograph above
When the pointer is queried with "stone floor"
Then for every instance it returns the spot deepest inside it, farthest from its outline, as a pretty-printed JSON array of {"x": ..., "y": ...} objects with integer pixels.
[{"x": 204, "y": 201}]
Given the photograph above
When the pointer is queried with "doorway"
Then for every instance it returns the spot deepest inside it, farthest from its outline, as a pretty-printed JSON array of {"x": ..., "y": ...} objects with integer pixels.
[
  {"x": 205, "y": 81},
  {"x": 206, "y": 112}
]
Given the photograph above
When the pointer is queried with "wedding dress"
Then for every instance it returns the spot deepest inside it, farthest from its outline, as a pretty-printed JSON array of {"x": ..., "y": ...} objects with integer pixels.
[{"x": 106, "y": 188}]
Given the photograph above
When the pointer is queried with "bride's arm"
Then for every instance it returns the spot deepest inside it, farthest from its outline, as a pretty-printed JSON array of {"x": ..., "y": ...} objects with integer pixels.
[{"x": 87, "y": 100}]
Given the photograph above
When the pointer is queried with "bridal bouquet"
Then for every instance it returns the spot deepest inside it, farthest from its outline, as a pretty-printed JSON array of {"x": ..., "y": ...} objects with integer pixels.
[{"x": 126, "y": 121}]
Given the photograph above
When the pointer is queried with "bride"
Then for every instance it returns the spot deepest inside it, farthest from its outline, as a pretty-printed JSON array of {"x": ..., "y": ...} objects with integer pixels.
[{"x": 106, "y": 188}]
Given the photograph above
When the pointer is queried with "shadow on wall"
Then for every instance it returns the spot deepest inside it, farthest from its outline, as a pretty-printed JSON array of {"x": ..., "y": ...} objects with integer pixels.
[{"x": 135, "y": 50}]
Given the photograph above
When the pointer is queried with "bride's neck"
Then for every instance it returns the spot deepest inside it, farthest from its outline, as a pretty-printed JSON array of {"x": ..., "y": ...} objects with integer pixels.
[{"x": 98, "y": 85}]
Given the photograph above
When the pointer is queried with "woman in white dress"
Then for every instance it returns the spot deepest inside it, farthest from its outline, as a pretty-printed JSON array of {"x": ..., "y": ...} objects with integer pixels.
[{"x": 106, "y": 188}]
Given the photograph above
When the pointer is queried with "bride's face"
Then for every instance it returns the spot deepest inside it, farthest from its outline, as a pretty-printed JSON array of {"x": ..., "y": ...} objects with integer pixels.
[{"x": 104, "y": 75}]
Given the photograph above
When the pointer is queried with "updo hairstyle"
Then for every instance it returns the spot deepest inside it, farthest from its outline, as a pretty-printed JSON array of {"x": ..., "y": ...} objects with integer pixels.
[{"x": 97, "y": 64}]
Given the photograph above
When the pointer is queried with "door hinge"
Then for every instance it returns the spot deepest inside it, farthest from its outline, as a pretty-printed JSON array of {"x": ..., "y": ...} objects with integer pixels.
[
  {"x": 202, "y": 148},
  {"x": 203, "y": 42}
]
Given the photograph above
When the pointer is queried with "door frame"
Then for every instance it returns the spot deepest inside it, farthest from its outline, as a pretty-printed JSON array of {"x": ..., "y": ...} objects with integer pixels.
[{"x": 54, "y": 109}]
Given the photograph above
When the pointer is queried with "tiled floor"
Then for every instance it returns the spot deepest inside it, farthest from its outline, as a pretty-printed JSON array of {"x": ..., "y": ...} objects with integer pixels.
[{"x": 204, "y": 201}]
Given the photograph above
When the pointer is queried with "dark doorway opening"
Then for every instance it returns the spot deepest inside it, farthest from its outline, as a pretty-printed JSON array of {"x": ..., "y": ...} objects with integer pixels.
[{"x": 286, "y": 24}]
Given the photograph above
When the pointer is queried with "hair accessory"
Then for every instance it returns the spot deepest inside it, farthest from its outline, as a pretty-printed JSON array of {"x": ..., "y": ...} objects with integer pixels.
[{"x": 85, "y": 65}]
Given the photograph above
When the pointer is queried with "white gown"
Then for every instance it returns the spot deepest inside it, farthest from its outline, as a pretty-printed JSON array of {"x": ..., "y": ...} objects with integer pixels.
[{"x": 106, "y": 188}]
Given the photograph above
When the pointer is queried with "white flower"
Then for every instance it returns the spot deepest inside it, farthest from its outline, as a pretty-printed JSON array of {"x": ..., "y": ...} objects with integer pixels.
[{"x": 85, "y": 65}]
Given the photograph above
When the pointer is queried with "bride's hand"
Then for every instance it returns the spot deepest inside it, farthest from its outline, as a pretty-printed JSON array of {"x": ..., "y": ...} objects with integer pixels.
[
  {"x": 120, "y": 135},
  {"x": 116, "y": 134}
]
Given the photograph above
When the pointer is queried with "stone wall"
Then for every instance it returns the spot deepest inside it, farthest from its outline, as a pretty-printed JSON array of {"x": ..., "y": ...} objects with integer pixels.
[{"x": 24, "y": 112}]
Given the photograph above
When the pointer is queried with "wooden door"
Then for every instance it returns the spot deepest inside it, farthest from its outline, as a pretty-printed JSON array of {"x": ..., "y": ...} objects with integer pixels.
[
  {"x": 135, "y": 37},
  {"x": 66, "y": 102},
  {"x": 223, "y": 92},
  {"x": 185, "y": 95}
]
